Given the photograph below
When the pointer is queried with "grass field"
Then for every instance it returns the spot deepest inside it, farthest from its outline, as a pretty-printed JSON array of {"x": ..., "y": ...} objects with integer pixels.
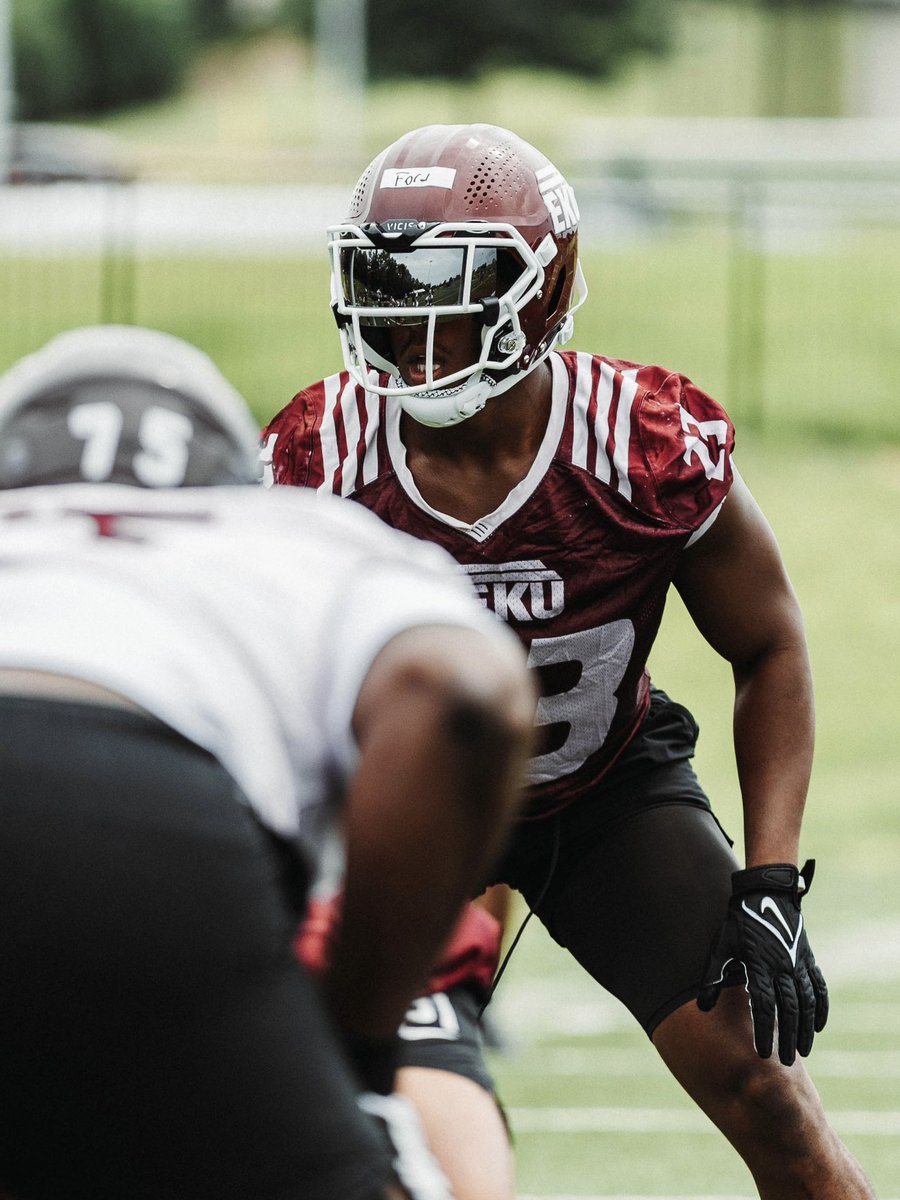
[
  {"x": 595, "y": 1114},
  {"x": 813, "y": 390},
  {"x": 823, "y": 360}
]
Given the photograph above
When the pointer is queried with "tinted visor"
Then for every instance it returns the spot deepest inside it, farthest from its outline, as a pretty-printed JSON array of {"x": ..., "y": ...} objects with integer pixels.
[{"x": 425, "y": 278}]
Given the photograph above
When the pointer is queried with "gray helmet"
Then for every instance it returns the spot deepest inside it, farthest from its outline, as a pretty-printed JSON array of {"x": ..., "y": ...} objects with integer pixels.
[{"x": 123, "y": 404}]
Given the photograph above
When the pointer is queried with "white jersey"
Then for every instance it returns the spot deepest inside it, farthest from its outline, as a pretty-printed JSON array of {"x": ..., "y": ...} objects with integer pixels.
[{"x": 244, "y": 619}]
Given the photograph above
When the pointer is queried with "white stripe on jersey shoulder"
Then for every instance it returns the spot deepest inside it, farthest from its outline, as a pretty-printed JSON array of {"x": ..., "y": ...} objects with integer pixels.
[
  {"x": 371, "y": 465},
  {"x": 622, "y": 434},
  {"x": 328, "y": 441},
  {"x": 580, "y": 402},
  {"x": 342, "y": 396},
  {"x": 585, "y": 390}
]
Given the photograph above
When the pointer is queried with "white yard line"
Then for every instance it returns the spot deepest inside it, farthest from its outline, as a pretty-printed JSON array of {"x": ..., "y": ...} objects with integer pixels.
[
  {"x": 670, "y": 1120},
  {"x": 530, "y": 1005},
  {"x": 535, "y": 1006},
  {"x": 867, "y": 951},
  {"x": 621, "y": 1063}
]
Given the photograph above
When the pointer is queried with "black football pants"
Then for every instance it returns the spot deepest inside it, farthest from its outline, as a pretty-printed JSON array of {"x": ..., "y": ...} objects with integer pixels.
[{"x": 157, "y": 1037}]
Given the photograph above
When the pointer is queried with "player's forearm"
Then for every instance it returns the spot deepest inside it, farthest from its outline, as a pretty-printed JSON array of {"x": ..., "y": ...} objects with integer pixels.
[
  {"x": 437, "y": 785},
  {"x": 774, "y": 729}
]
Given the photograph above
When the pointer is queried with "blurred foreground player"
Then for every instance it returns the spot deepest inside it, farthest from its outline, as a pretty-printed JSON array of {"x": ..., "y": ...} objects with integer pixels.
[
  {"x": 213, "y": 698},
  {"x": 575, "y": 489}
]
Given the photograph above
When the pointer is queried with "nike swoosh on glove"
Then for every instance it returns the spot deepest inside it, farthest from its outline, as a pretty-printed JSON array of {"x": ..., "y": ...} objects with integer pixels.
[{"x": 763, "y": 938}]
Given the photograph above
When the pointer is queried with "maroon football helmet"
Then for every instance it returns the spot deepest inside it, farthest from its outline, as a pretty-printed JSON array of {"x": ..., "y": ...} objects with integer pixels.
[{"x": 453, "y": 221}]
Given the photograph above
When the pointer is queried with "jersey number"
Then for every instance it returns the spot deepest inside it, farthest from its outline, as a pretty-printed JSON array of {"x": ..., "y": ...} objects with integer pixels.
[
  {"x": 585, "y": 710},
  {"x": 432, "y": 1017},
  {"x": 164, "y": 438}
]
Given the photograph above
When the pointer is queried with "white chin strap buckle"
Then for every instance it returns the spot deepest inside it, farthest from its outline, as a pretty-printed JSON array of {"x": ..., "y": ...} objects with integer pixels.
[{"x": 450, "y": 406}]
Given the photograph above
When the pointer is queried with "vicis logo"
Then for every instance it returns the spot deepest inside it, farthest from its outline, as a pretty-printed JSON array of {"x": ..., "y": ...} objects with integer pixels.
[
  {"x": 518, "y": 591},
  {"x": 401, "y": 226}
]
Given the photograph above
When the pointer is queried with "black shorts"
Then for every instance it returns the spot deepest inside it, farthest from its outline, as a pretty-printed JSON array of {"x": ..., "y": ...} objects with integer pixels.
[
  {"x": 633, "y": 879},
  {"x": 158, "y": 1037},
  {"x": 443, "y": 1031}
]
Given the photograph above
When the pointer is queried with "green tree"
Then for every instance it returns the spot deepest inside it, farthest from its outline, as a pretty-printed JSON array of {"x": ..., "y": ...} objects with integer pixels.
[
  {"x": 89, "y": 56},
  {"x": 45, "y": 57},
  {"x": 132, "y": 51},
  {"x": 212, "y": 18},
  {"x": 460, "y": 39}
]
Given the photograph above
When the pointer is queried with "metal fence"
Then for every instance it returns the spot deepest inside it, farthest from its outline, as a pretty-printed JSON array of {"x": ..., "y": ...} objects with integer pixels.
[
  {"x": 779, "y": 293},
  {"x": 784, "y": 292}
]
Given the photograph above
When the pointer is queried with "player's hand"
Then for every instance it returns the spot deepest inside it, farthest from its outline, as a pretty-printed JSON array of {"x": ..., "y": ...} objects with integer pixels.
[
  {"x": 763, "y": 938},
  {"x": 415, "y": 1166}
]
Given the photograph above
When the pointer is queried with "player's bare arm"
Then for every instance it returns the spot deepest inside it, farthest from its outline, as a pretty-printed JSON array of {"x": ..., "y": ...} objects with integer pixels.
[
  {"x": 440, "y": 771},
  {"x": 736, "y": 589}
]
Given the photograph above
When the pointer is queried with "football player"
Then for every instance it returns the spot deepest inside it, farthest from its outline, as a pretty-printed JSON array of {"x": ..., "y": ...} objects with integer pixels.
[
  {"x": 214, "y": 701},
  {"x": 574, "y": 490}
]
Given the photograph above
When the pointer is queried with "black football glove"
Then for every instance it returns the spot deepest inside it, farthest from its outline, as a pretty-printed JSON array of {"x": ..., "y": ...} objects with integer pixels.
[{"x": 763, "y": 940}]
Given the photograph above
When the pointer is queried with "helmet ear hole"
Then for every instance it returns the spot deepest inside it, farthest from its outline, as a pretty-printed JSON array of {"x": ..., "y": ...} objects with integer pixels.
[{"x": 558, "y": 291}]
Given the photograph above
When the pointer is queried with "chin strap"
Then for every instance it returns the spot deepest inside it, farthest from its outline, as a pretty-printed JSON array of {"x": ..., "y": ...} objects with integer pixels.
[{"x": 449, "y": 406}]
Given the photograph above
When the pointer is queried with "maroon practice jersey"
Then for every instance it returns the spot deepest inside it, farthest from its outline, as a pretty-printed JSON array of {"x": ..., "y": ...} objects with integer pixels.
[{"x": 634, "y": 465}]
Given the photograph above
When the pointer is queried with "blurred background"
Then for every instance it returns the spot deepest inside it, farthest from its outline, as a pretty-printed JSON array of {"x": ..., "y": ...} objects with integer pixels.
[{"x": 737, "y": 163}]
